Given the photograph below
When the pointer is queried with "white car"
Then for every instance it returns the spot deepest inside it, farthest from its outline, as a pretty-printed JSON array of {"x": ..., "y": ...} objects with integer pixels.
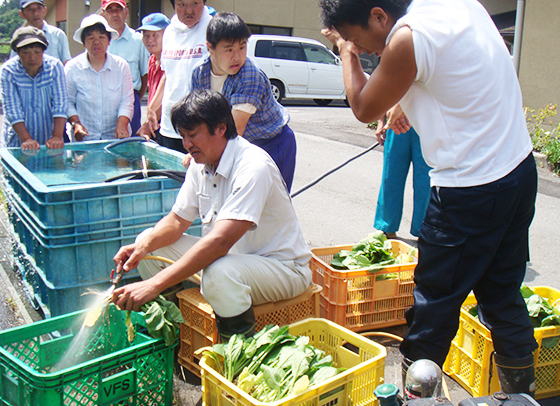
[{"x": 298, "y": 68}]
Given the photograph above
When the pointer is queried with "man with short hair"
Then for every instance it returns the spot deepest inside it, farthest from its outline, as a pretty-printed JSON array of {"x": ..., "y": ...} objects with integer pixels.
[
  {"x": 129, "y": 46},
  {"x": 33, "y": 94},
  {"x": 259, "y": 118},
  {"x": 152, "y": 29},
  {"x": 34, "y": 12},
  {"x": 445, "y": 64},
  {"x": 252, "y": 248}
]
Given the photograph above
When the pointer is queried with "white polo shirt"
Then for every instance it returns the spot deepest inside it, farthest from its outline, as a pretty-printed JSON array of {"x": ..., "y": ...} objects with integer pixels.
[{"x": 246, "y": 185}]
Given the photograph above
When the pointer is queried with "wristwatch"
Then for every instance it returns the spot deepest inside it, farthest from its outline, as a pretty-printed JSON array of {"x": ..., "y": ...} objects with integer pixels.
[{"x": 74, "y": 124}]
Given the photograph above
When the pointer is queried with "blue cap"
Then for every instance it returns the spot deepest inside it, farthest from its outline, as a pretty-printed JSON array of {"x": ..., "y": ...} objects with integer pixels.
[{"x": 154, "y": 22}]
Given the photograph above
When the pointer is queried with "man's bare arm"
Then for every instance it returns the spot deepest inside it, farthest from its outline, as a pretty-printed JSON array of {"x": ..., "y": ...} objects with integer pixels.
[
  {"x": 207, "y": 250},
  {"x": 241, "y": 119},
  {"x": 389, "y": 82}
]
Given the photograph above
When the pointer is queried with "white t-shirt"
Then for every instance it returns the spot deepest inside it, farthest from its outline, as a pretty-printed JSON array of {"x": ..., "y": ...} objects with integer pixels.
[
  {"x": 182, "y": 50},
  {"x": 246, "y": 185},
  {"x": 466, "y": 102}
]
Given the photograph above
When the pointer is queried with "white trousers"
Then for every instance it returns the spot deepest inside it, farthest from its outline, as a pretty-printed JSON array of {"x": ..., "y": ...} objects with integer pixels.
[{"x": 235, "y": 282}]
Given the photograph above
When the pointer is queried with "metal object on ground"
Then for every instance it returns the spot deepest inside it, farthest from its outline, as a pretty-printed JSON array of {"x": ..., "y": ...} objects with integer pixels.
[{"x": 423, "y": 380}]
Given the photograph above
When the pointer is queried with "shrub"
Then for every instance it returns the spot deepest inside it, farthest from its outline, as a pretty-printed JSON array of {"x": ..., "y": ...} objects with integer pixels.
[{"x": 544, "y": 133}]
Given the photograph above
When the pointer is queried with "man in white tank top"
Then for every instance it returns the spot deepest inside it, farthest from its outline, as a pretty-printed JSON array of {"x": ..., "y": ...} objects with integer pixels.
[{"x": 446, "y": 64}]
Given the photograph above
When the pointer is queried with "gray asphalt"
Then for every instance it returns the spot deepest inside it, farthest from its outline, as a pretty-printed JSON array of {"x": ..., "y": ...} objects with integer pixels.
[{"x": 339, "y": 210}]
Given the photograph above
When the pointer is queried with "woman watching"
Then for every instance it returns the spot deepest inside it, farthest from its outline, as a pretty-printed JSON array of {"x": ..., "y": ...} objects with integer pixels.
[{"x": 100, "y": 92}]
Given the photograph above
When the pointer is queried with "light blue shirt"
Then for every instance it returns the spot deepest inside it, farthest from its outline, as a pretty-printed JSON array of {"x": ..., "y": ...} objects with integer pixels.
[
  {"x": 58, "y": 43},
  {"x": 33, "y": 101},
  {"x": 99, "y": 98},
  {"x": 130, "y": 47}
]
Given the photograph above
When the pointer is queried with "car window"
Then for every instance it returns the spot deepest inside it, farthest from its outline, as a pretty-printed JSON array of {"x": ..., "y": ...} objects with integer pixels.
[
  {"x": 318, "y": 54},
  {"x": 262, "y": 48},
  {"x": 287, "y": 50}
]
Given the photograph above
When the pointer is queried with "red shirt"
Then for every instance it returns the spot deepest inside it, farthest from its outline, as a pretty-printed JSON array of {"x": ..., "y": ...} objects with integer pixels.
[{"x": 154, "y": 76}]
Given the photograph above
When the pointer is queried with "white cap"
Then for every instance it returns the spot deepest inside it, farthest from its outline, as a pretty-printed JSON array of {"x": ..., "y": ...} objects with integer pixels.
[{"x": 90, "y": 20}]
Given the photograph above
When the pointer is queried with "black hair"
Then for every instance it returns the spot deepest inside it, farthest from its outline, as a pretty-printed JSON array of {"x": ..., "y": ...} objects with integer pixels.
[
  {"x": 173, "y": 3},
  {"x": 226, "y": 26},
  {"x": 95, "y": 27},
  {"x": 356, "y": 12},
  {"x": 204, "y": 107},
  {"x": 32, "y": 45}
]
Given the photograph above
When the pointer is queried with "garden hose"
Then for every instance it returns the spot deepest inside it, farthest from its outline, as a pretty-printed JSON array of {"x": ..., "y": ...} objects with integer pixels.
[
  {"x": 149, "y": 173},
  {"x": 195, "y": 278},
  {"x": 123, "y": 141},
  {"x": 336, "y": 168}
]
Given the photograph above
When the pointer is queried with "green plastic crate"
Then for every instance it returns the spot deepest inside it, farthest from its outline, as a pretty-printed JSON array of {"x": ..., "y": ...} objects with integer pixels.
[{"x": 111, "y": 371}]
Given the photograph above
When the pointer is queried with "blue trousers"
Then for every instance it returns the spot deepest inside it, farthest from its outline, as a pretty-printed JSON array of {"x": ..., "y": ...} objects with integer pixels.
[
  {"x": 474, "y": 238},
  {"x": 282, "y": 149},
  {"x": 136, "y": 121},
  {"x": 398, "y": 153}
]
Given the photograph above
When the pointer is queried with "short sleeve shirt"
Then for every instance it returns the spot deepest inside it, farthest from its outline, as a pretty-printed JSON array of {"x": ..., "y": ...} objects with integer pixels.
[
  {"x": 248, "y": 186},
  {"x": 130, "y": 47},
  {"x": 248, "y": 86}
]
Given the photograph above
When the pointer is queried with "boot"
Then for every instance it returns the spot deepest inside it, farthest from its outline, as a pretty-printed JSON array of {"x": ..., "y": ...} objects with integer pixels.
[
  {"x": 241, "y": 324},
  {"x": 516, "y": 375}
]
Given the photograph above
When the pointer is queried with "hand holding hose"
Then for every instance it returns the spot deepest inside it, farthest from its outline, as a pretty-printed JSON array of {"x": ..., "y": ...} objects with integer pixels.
[{"x": 128, "y": 257}]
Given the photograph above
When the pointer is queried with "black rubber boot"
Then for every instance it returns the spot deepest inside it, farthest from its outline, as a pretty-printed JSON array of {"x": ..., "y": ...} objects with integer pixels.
[
  {"x": 241, "y": 324},
  {"x": 516, "y": 375}
]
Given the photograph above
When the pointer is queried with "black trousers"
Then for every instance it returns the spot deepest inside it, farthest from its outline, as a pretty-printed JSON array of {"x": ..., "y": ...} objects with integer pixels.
[
  {"x": 474, "y": 238},
  {"x": 171, "y": 143}
]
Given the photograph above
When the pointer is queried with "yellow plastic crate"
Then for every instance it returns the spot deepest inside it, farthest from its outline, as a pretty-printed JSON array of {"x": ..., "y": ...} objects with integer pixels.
[
  {"x": 363, "y": 358},
  {"x": 357, "y": 299},
  {"x": 468, "y": 361},
  {"x": 199, "y": 329}
]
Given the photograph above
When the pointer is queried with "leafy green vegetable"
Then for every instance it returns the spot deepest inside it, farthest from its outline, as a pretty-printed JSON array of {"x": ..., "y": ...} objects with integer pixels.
[
  {"x": 541, "y": 312},
  {"x": 373, "y": 253},
  {"x": 550, "y": 342},
  {"x": 272, "y": 364},
  {"x": 163, "y": 319}
]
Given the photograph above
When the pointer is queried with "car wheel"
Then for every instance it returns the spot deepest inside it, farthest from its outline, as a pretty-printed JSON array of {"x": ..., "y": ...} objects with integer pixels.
[
  {"x": 322, "y": 102},
  {"x": 277, "y": 90}
]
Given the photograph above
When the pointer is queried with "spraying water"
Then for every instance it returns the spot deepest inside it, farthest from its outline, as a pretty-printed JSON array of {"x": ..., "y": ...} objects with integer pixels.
[{"x": 78, "y": 350}]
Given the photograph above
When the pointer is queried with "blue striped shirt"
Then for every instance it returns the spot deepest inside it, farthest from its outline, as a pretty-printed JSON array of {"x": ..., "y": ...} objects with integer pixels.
[
  {"x": 33, "y": 101},
  {"x": 249, "y": 85}
]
